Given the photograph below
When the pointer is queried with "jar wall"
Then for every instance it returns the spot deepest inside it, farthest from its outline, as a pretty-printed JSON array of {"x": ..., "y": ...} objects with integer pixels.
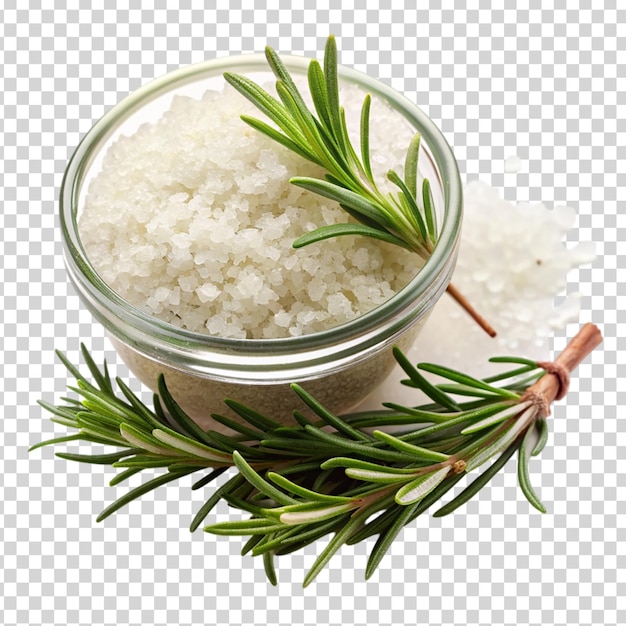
[{"x": 200, "y": 396}]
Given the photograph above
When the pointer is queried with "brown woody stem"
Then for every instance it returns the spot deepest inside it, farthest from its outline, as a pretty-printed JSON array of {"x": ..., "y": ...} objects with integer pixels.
[
  {"x": 550, "y": 387},
  {"x": 477, "y": 317}
]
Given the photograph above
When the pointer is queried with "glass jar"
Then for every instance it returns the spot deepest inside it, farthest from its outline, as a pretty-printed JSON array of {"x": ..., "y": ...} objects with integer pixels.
[{"x": 339, "y": 366}]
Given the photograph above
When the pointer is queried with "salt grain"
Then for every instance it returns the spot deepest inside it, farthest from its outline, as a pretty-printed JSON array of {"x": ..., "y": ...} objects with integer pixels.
[
  {"x": 207, "y": 292},
  {"x": 513, "y": 164}
]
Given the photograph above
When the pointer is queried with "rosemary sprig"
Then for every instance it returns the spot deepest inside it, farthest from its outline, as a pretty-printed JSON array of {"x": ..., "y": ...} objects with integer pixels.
[
  {"x": 405, "y": 217},
  {"x": 329, "y": 474}
]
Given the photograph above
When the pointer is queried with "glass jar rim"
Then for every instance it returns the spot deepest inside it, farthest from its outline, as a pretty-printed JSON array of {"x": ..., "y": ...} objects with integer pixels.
[{"x": 392, "y": 314}]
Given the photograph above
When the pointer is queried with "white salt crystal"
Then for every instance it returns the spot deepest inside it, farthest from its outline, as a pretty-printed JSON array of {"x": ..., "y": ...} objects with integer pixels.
[
  {"x": 306, "y": 317},
  {"x": 565, "y": 216},
  {"x": 311, "y": 265},
  {"x": 162, "y": 294},
  {"x": 282, "y": 319},
  {"x": 361, "y": 259},
  {"x": 291, "y": 262},
  {"x": 174, "y": 298},
  {"x": 316, "y": 289},
  {"x": 264, "y": 296},
  {"x": 513, "y": 164},
  {"x": 584, "y": 252},
  {"x": 207, "y": 292},
  {"x": 339, "y": 305}
]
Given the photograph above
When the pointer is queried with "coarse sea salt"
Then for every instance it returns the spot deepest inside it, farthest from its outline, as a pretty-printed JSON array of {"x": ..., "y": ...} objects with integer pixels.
[
  {"x": 192, "y": 219},
  {"x": 512, "y": 266}
]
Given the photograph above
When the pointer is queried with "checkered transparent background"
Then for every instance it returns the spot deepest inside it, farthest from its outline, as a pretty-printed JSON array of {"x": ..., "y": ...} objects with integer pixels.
[{"x": 546, "y": 81}]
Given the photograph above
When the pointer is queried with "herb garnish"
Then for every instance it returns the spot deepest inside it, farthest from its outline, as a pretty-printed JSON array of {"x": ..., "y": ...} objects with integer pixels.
[
  {"x": 406, "y": 218},
  {"x": 328, "y": 474}
]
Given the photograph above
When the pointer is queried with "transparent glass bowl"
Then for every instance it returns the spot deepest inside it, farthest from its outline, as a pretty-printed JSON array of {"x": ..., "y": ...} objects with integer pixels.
[{"x": 339, "y": 366}]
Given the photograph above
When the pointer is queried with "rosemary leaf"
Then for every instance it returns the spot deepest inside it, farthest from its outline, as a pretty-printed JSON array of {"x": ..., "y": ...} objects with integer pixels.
[
  {"x": 145, "y": 461},
  {"x": 503, "y": 441},
  {"x": 429, "y": 211},
  {"x": 420, "y": 487},
  {"x": 189, "y": 446},
  {"x": 325, "y": 151},
  {"x": 102, "y": 377},
  {"x": 410, "y": 165},
  {"x": 268, "y": 105},
  {"x": 466, "y": 381},
  {"x": 372, "y": 476},
  {"x": 513, "y": 359},
  {"x": 140, "y": 491},
  {"x": 185, "y": 423},
  {"x": 333, "y": 526},
  {"x": 98, "y": 459},
  {"x": 56, "y": 440},
  {"x": 362, "y": 205},
  {"x": 414, "y": 213},
  {"x": 74, "y": 371},
  {"x": 140, "y": 439},
  {"x": 421, "y": 383},
  {"x": 254, "y": 418},
  {"x": 387, "y": 537},
  {"x": 332, "y": 84},
  {"x": 523, "y": 475},
  {"x": 284, "y": 540},
  {"x": 257, "y": 481},
  {"x": 210, "y": 477},
  {"x": 270, "y": 571},
  {"x": 357, "y": 448},
  {"x": 244, "y": 527},
  {"x": 332, "y": 420},
  {"x": 365, "y": 139},
  {"x": 298, "y": 490},
  {"x": 340, "y": 230},
  {"x": 349, "y": 462},
  {"x": 65, "y": 413},
  {"x": 317, "y": 87},
  {"x": 497, "y": 418},
  {"x": 351, "y": 154},
  {"x": 283, "y": 76},
  {"x": 229, "y": 444},
  {"x": 541, "y": 425},
  {"x": 279, "y": 137},
  {"x": 229, "y": 486},
  {"x": 307, "y": 513},
  {"x": 251, "y": 433},
  {"x": 150, "y": 418},
  {"x": 125, "y": 475},
  {"x": 422, "y": 454},
  {"x": 252, "y": 542},
  {"x": 333, "y": 546},
  {"x": 379, "y": 524}
]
